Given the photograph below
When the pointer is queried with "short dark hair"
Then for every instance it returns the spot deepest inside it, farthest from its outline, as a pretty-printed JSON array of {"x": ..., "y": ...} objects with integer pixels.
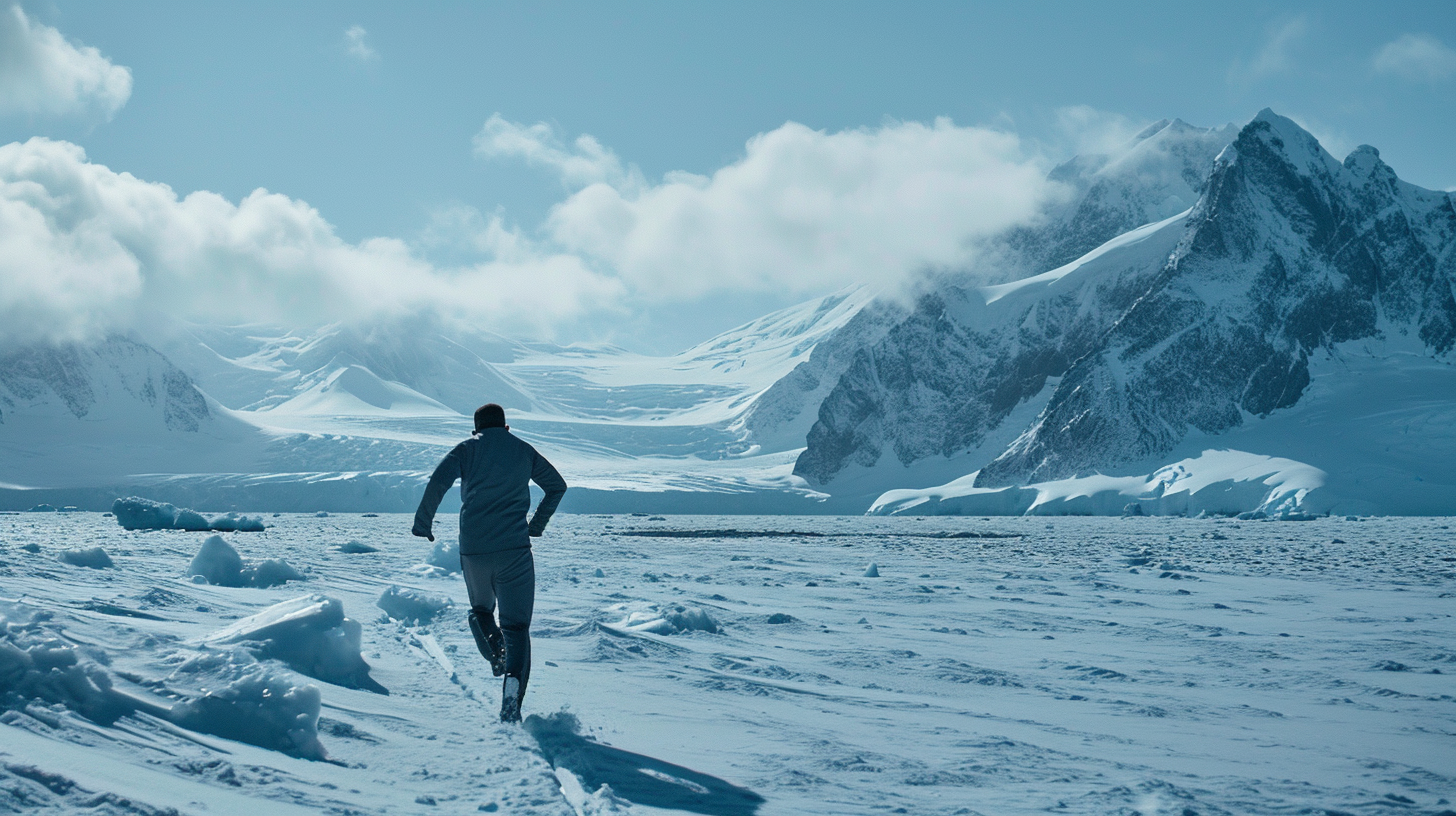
[{"x": 490, "y": 415}]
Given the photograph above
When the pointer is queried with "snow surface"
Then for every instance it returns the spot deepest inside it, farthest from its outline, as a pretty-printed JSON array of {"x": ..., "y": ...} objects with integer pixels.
[
  {"x": 1170, "y": 228},
  {"x": 1215, "y": 482},
  {"x": 995, "y": 666}
]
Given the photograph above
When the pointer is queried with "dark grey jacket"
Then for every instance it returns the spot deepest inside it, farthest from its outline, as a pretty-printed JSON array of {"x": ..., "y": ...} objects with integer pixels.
[{"x": 493, "y": 467}]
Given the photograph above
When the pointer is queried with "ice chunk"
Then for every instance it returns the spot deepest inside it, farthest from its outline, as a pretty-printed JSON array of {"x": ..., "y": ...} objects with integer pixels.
[
  {"x": 672, "y": 621},
  {"x": 872, "y": 571},
  {"x": 218, "y": 562},
  {"x": 271, "y": 573},
  {"x": 235, "y": 523},
  {"x": 190, "y": 520},
  {"x": 412, "y": 605},
  {"x": 311, "y": 635},
  {"x": 354, "y": 547},
  {"x": 93, "y": 557},
  {"x": 135, "y": 513},
  {"x": 43, "y": 508},
  {"x": 220, "y": 565},
  {"x": 692, "y": 619},
  {"x": 259, "y": 707},
  {"x": 445, "y": 555}
]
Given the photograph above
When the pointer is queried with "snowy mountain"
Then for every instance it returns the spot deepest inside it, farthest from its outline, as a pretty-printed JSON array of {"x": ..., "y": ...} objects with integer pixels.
[
  {"x": 1254, "y": 320},
  {"x": 1224, "y": 312},
  {"x": 1289, "y": 254},
  {"x": 71, "y": 414},
  {"x": 1160, "y": 174},
  {"x": 341, "y": 369},
  {"x": 948, "y": 374},
  {"x": 351, "y": 417}
]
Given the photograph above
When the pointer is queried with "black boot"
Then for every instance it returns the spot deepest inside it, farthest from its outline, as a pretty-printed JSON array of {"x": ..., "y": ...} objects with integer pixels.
[{"x": 488, "y": 639}]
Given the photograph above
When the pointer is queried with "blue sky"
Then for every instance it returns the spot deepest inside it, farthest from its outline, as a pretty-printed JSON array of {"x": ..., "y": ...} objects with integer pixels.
[{"x": 381, "y": 130}]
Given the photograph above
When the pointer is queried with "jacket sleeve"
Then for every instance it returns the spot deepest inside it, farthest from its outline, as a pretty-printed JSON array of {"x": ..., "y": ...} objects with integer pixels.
[
  {"x": 549, "y": 480},
  {"x": 440, "y": 483}
]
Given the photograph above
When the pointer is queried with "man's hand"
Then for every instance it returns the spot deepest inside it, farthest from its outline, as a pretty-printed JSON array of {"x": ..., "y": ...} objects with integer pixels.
[{"x": 424, "y": 534}]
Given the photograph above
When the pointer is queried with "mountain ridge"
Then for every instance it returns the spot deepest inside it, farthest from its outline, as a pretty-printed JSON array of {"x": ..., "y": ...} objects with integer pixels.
[{"x": 1198, "y": 290}]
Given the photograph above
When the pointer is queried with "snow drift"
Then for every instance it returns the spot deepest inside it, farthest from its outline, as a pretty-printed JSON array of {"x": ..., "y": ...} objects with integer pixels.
[
  {"x": 310, "y": 635},
  {"x": 245, "y": 701}
]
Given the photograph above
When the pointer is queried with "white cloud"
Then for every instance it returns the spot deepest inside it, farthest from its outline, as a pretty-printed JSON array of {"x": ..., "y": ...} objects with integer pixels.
[
  {"x": 806, "y": 210},
  {"x": 1416, "y": 57},
  {"x": 41, "y": 73},
  {"x": 1276, "y": 56},
  {"x": 358, "y": 45},
  {"x": 585, "y": 162},
  {"x": 85, "y": 250},
  {"x": 1085, "y": 129}
]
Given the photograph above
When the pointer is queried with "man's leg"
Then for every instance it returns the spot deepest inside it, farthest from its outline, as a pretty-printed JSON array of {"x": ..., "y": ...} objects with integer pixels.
[
  {"x": 479, "y": 584},
  {"x": 516, "y": 593}
]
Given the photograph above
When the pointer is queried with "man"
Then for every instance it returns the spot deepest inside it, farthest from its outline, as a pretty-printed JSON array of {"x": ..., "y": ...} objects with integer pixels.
[{"x": 493, "y": 467}]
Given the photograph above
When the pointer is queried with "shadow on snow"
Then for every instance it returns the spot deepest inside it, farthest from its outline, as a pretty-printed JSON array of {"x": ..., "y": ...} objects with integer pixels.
[{"x": 637, "y": 778}]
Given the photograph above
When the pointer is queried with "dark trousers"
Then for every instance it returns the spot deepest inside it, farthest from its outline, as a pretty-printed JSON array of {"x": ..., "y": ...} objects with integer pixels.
[{"x": 504, "y": 584}]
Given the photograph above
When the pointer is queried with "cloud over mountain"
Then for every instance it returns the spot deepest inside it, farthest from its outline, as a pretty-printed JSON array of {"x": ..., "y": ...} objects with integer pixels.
[
  {"x": 801, "y": 210},
  {"x": 85, "y": 249}
]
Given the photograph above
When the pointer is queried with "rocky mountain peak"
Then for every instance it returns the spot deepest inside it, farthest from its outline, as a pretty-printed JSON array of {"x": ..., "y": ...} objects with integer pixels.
[{"x": 1192, "y": 326}]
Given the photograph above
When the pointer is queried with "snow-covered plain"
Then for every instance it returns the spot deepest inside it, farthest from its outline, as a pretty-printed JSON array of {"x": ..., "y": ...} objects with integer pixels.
[{"x": 741, "y": 665}]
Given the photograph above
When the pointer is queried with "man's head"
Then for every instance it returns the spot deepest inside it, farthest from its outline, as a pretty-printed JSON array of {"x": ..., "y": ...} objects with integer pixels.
[{"x": 490, "y": 415}]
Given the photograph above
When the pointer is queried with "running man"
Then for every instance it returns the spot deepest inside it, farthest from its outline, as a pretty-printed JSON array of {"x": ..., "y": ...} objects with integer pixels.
[{"x": 493, "y": 467}]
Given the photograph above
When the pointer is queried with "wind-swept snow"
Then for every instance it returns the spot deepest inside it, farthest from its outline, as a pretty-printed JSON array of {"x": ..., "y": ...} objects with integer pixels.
[{"x": 994, "y": 666}]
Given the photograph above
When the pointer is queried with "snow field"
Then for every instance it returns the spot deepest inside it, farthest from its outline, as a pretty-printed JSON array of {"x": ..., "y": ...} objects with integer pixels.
[{"x": 1082, "y": 665}]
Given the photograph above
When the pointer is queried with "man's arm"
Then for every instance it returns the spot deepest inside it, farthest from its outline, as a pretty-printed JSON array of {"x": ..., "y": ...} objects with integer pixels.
[
  {"x": 440, "y": 483},
  {"x": 545, "y": 476}
]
